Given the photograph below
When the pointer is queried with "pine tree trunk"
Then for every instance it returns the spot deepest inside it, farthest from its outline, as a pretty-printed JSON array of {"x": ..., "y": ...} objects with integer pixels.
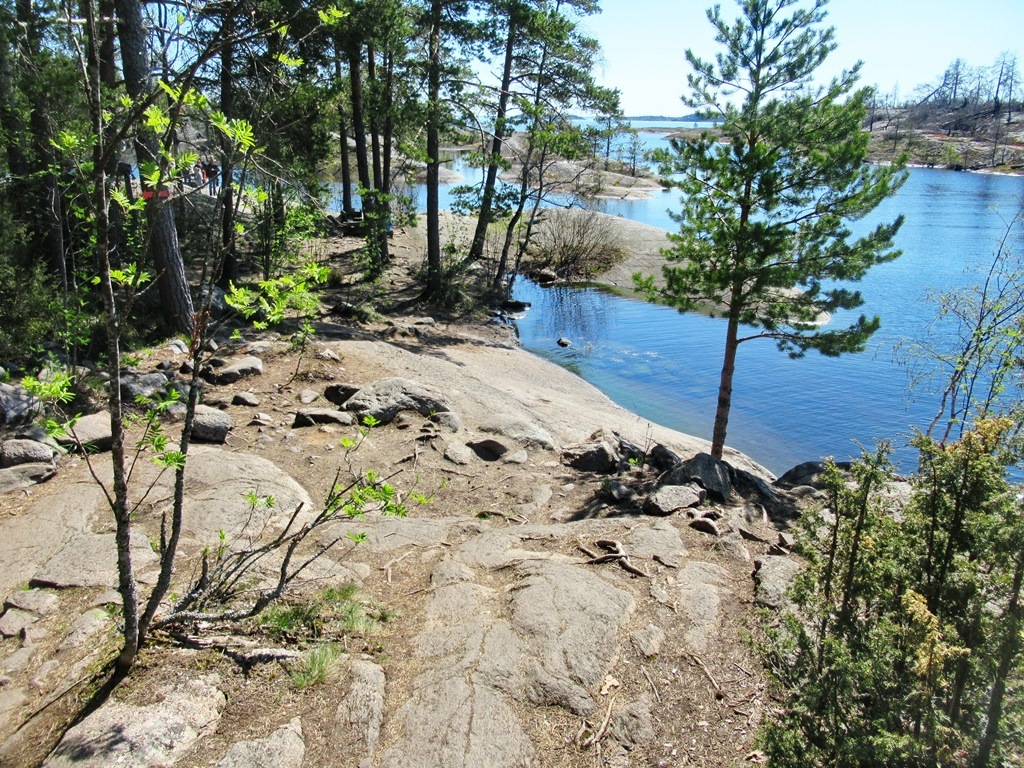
[
  {"x": 175, "y": 299},
  {"x": 725, "y": 387},
  {"x": 229, "y": 262},
  {"x": 434, "y": 268},
  {"x": 476, "y": 250}
]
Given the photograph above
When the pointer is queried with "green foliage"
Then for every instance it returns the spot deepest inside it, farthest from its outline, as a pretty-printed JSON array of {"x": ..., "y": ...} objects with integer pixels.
[
  {"x": 332, "y": 612},
  {"x": 763, "y": 231},
  {"x": 27, "y": 324},
  {"x": 315, "y": 666},
  {"x": 905, "y": 622}
]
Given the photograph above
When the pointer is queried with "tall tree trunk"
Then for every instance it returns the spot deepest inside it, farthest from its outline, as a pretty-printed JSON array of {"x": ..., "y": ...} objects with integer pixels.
[
  {"x": 229, "y": 255},
  {"x": 175, "y": 299},
  {"x": 46, "y": 196},
  {"x": 379, "y": 222},
  {"x": 476, "y": 250},
  {"x": 367, "y": 193},
  {"x": 725, "y": 386},
  {"x": 346, "y": 166},
  {"x": 434, "y": 268}
]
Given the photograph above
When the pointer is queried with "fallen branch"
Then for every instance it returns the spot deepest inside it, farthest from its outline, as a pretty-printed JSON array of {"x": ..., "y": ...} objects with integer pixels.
[
  {"x": 719, "y": 693},
  {"x": 595, "y": 738}
]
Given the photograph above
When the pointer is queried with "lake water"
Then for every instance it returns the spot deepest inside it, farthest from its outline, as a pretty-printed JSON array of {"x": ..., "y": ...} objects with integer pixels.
[{"x": 665, "y": 365}]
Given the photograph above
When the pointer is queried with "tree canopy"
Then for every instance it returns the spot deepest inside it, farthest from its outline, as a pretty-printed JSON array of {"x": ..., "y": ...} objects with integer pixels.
[{"x": 764, "y": 233}]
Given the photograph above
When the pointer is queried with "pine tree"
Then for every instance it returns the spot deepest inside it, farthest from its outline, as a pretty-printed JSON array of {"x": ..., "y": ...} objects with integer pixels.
[{"x": 763, "y": 227}]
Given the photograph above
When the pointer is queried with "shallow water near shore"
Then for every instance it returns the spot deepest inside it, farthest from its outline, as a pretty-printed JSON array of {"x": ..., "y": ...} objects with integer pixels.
[{"x": 665, "y": 365}]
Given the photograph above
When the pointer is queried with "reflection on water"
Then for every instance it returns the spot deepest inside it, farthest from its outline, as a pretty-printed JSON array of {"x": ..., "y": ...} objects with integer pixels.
[{"x": 665, "y": 365}]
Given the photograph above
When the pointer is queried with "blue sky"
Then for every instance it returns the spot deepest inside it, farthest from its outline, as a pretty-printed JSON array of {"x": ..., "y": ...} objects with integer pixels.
[{"x": 901, "y": 42}]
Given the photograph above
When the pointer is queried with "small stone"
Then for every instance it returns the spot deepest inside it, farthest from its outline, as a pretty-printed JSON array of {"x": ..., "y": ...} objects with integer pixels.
[
  {"x": 648, "y": 640},
  {"x": 448, "y": 420},
  {"x": 488, "y": 449},
  {"x": 15, "y": 620},
  {"x": 787, "y": 540},
  {"x": 229, "y": 374},
  {"x": 178, "y": 346},
  {"x": 517, "y": 457},
  {"x": 328, "y": 354},
  {"x": 458, "y": 453},
  {"x": 564, "y": 343},
  {"x": 307, "y": 396},
  {"x": 245, "y": 398},
  {"x": 38, "y": 601},
  {"x": 262, "y": 420}
]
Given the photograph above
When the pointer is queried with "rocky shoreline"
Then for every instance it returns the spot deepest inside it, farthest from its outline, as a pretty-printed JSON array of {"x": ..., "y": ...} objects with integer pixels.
[{"x": 579, "y": 588}]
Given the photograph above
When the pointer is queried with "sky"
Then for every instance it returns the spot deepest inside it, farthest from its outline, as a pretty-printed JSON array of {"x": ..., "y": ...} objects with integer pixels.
[{"x": 903, "y": 43}]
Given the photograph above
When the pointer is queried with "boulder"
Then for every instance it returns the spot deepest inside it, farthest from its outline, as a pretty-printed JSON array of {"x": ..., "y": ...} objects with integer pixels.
[
  {"x": 310, "y": 417},
  {"x": 810, "y": 473},
  {"x": 17, "y": 406},
  {"x": 15, "y": 452},
  {"x": 591, "y": 457},
  {"x": 24, "y": 475},
  {"x": 135, "y": 385},
  {"x": 667, "y": 499},
  {"x": 386, "y": 398},
  {"x": 235, "y": 370},
  {"x": 92, "y": 431},
  {"x": 158, "y": 734},
  {"x": 520, "y": 429},
  {"x": 211, "y": 425},
  {"x": 339, "y": 393},
  {"x": 772, "y": 577},
  {"x": 712, "y": 474},
  {"x": 284, "y": 748},
  {"x": 663, "y": 459}
]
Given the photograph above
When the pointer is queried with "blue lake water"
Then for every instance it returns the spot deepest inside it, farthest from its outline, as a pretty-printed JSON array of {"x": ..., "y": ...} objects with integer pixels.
[{"x": 665, "y": 365}]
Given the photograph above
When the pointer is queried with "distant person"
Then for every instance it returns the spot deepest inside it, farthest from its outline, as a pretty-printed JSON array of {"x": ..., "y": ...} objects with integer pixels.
[{"x": 211, "y": 169}]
